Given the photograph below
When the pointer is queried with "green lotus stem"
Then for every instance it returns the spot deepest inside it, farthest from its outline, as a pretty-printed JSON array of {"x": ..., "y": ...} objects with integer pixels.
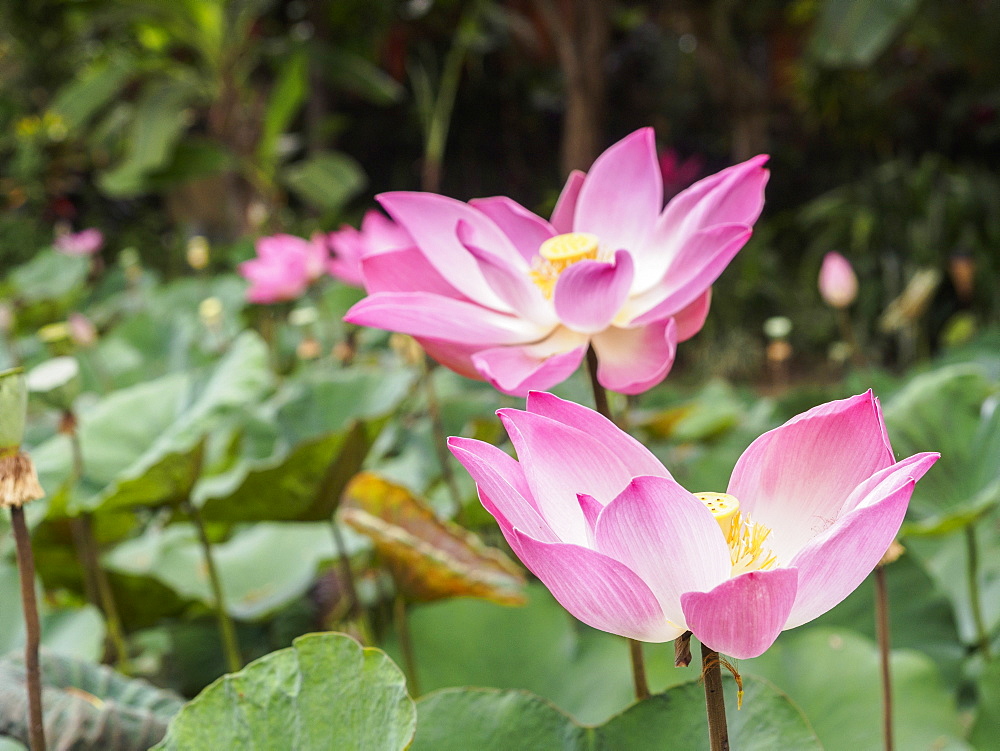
[
  {"x": 972, "y": 572},
  {"x": 227, "y": 631},
  {"x": 98, "y": 586},
  {"x": 711, "y": 673},
  {"x": 26, "y": 570},
  {"x": 847, "y": 334},
  {"x": 401, "y": 621},
  {"x": 440, "y": 439},
  {"x": 882, "y": 635},
  {"x": 634, "y": 647}
]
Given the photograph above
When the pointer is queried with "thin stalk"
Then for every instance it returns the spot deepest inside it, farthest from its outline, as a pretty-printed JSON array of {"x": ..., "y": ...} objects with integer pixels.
[
  {"x": 847, "y": 334},
  {"x": 715, "y": 703},
  {"x": 346, "y": 572},
  {"x": 98, "y": 586},
  {"x": 882, "y": 635},
  {"x": 440, "y": 439},
  {"x": 402, "y": 623},
  {"x": 634, "y": 647},
  {"x": 972, "y": 573},
  {"x": 227, "y": 631},
  {"x": 26, "y": 569}
]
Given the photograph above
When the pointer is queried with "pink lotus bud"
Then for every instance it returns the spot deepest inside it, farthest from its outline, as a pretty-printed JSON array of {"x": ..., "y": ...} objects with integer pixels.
[
  {"x": 84, "y": 243},
  {"x": 837, "y": 282}
]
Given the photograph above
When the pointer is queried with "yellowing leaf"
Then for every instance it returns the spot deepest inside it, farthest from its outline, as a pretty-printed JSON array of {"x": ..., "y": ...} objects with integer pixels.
[{"x": 430, "y": 559}]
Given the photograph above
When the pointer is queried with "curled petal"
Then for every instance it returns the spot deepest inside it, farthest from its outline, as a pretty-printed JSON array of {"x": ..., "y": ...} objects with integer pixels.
[
  {"x": 526, "y": 230},
  {"x": 589, "y": 294},
  {"x": 518, "y": 370},
  {"x": 428, "y": 315},
  {"x": 622, "y": 194},
  {"x": 432, "y": 221},
  {"x": 452, "y": 355},
  {"x": 690, "y": 320},
  {"x": 562, "y": 214},
  {"x": 880, "y": 484},
  {"x": 667, "y": 536},
  {"x": 597, "y": 590},
  {"x": 560, "y": 461},
  {"x": 404, "y": 270},
  {"x": 638, "y": 459},
  {"x": 742, "y": 616},
  {"x": 832, "y": 565},
  {"x": 631, "y": 361},
  {"x": 795, "y": 478}
]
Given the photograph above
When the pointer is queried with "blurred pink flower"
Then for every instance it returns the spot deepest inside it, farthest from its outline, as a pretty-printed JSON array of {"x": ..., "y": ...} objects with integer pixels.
[
  {"x": 284, "y": 268},
  {"x": 496, "y": 293},
  {"x": 83, "y": 243},
  {"x": 378, "y": 234},
  {"x": 677, "y": 173},
  {"x": 81, "y": 329},
  {"x": 838, "y": 284},
  {"x": 810, "y": 510}
]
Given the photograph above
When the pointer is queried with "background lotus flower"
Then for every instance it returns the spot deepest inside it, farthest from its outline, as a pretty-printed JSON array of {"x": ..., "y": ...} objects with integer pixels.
[
  {"x": 838, "y": 285},
  {"x": 811, "y": 507},
  {"x": 497, "y": 293},
  {"x": 83, "y": 243},
  {"x": 378, "y": 234},
  {"x": 284, "y": 268}
]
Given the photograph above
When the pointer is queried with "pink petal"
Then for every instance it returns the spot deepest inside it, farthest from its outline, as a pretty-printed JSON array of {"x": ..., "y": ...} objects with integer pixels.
[
  {"x": 404, "y": 270},
  {"x": 432, "y": 221},
  {"x": 518, "y": 370},
  {"x": 502, "y": 487},
  {"x": 832, "y": 565},
  {"x": 631, "y": 361},
  {"x": 526, "y": 230},
  {"x": 437, "y": 317},
  {"x": 562, "y": 214},
  {"x": 381, "y": 233},
  {"x": 597, "y": 590},
  {"x": 589, "y": 294},
  {"x": 795, "y": 478},
  {"x": 637, "y": 458},
  {"x": 880, "y": 484},
  {"x": 591, "y": 508},
  {"x": 622, "y": 194},
  {"x": 560, "y": 461},
  {"x": 512, "y": 285},
  {"x": 666, "y": 536},
  {"x": 452, "y": 355},
  {"x": 690, "y": 320},
  {"x": 742, "y": 616},
  {"x": 732, "y": 196},
  {"x": 698, "y": 263}
]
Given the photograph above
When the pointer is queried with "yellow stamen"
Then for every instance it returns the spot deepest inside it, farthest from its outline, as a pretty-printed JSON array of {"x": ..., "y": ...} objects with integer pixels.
[
  {"x": 745, "y": 537},
  {"x": 557, "y": 254}
]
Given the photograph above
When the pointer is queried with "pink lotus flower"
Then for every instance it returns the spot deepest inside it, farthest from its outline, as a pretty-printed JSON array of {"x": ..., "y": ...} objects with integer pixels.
[
  {"x": 838, "y": 284},
  {"x": 83, "y": 243},
  {"x": 496, "y": 293},
  {"x": 284, "y": 268},
  {"x": 377, "y": 234},
  {"x": 811, "y": 507}
]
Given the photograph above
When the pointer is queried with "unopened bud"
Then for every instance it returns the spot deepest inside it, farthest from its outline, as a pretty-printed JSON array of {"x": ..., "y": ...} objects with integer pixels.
[{"x": 838, "y": 284}]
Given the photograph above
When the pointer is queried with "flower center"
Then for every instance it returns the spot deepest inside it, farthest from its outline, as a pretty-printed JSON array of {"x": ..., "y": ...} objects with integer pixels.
[
  {"x": 557, "y": 254},
  {"x": 745, "y": 537}
]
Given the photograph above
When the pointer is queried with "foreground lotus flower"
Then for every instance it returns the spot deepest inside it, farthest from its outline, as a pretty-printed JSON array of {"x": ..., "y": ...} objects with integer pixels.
[
  {"x": 83, "y": 243},
  {"x": 810, "y": 509},
  {"x": 378, "y": 234},
  {"x": 498, "y": 294},
  {"x": 284, "y": 268}
]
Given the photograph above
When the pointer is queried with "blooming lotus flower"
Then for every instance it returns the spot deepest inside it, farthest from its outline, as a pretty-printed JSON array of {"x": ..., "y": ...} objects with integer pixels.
[
  {"x": 496, "y": 293},
  {"x": 810, "y": 509},
  {"x": 284, "y": 268},
  {"x": 378, "y": 234},
  {"x": 838, "y": 284},
  {"x": 83, "y": 243}
]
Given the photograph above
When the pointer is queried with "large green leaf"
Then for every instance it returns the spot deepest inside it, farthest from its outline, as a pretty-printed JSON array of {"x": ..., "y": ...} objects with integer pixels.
[
  {"x": 833, "y": 676},
  {"x": 984, "y": 732},
  {"x": 86, "y": 705},
  {"x": 287, "y": 95},
  {"x": 49, "y": 276},
  {"x": 262, "y": 567},
  {"x": 464, "y": 718},
  {"x": 852, "y": 33},
  {"x": 325, "y": 692},
  {"x": 327, "y": 180}
]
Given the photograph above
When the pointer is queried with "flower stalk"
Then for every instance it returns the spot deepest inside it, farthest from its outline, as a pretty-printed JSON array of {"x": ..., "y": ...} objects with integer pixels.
[
  {"x": 402, "y": 623},
  {"x": 711, "y": 673},
  {"x": 26, "y": 569},
  {"x": 884, "y": 647},
  {"x": 972, "y": 575}
]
